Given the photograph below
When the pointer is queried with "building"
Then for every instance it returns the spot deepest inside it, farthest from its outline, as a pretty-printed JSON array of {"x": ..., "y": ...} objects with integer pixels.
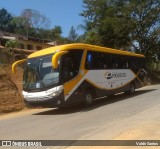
[
  {"x": 25, "y": 42},
  {"x": 26, "y": 46}
]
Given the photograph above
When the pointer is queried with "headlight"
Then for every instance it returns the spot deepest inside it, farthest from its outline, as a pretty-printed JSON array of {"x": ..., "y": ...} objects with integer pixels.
[{"x": 56, "y": 92}]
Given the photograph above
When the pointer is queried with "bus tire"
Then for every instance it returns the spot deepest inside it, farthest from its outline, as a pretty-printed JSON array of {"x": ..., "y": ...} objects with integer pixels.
[
  {"x": 131, "y": 89},
  {"x": 89, "y": 99}
]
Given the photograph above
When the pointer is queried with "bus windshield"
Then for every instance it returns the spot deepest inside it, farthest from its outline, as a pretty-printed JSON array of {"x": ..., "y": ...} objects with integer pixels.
[{"x": 39, "y": 73}]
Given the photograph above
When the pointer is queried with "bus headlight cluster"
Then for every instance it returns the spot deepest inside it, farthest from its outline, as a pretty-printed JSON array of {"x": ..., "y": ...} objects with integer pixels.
[{"x": 56, "y": 92}]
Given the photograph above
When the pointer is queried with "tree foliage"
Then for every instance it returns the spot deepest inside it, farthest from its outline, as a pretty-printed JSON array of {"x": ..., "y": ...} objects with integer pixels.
[
  {"x": 124, "y": 24},
  {"x": 56, "y": 33},
  {"x": 107, "y": 23},
  {"x": 30, "y": 23},
  {"x": 73, "y": 36},
  {"x": 18, "y": 25},
  {"x": 34, "y": 19},
  {"x": 34, "y": 24},
  {"x": 145, "y": 18},
  {"x": 5, "y": 19},
  {"x": 12, "y": 44}
]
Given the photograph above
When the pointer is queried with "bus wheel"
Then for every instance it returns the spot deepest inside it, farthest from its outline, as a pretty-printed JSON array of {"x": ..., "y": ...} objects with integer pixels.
[
  {"x": 132, "y": 89},
  {"x": 88, "y": 99}
]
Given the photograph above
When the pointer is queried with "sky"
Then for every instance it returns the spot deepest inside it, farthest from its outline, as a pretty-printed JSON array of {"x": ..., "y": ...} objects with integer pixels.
[{"x": 64, "y": 13}]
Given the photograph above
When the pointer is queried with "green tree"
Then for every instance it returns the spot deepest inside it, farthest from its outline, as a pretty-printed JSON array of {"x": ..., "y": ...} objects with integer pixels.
[
  {"x": 145, "y": 18},
  {"x": 72, "y": 35},
  {"x": 17, "y": 24},
  {"x": 56, "y": 33},
  {"x": 12, "y": 44},
  {"x": 124, "y": 24},
  {"x": 33, "y": 19},
  {"x": 108, "y": 24},
  {"x": 5, "y": 19},
  {"x": 89, "y": 35}
]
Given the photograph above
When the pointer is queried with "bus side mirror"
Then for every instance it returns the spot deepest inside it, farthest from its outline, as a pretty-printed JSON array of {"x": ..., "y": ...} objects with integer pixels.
[
  {"x": 14, "y": 65},
  {"x": 56, "y": 57}
]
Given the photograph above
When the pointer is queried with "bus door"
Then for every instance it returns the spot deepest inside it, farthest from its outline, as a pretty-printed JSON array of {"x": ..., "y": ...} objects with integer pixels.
[{"x": 70, "y": 76}]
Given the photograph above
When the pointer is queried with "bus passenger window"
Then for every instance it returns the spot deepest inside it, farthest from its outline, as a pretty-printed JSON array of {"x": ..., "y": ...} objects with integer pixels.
[
  {"x": 95, "y": 60},
  {"x": 88, "y": 61},
  {"x": 108, "y": 61},
  {"x": 114, "y": 62},
  {"x": 101, "y": 61}
]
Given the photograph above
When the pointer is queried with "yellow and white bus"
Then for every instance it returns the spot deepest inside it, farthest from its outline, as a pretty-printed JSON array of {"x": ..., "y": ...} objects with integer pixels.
[{"x": 79, "y": 73}]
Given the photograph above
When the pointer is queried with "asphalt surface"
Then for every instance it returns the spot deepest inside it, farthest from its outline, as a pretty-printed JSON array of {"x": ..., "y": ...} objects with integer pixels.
[{"x": 112, "y": 115}]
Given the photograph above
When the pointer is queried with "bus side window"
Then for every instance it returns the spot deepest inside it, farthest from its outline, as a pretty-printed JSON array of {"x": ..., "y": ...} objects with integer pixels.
[
  {"x": 114, "y": 62},
  {"x": 108, "y": 61},
  {"x": 132, "y": 62},
  {"x": 126, "y": 62},
  {"x": 101, "y": 61},
  {"x": 88, "y": 62},
  {"x": 123, "y": 62},
  {"x": 95, "y": 60}
]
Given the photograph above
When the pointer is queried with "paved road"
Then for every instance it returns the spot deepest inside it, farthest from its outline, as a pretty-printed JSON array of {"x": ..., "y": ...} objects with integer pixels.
[{"x": 110, "y": 115}]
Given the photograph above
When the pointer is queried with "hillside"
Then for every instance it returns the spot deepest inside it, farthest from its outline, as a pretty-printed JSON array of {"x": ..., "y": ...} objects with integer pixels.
[{"x": 10, "y": 89}]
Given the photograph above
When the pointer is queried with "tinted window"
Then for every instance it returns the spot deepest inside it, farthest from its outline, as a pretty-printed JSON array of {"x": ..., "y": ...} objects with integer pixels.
[
  {"x": 101, "y": 60},
  {"x": 97, "y": 60},
  {"x": 70, "y": 64}
]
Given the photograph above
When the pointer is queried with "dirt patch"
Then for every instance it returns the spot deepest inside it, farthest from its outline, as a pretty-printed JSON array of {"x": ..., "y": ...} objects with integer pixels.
[
  {"x": 10, "y": 89},
  {"x": 149, "y": 132}
]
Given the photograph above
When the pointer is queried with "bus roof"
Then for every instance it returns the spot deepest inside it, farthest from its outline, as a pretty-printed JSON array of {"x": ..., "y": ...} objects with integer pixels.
[{"x": 67, "y": 47}]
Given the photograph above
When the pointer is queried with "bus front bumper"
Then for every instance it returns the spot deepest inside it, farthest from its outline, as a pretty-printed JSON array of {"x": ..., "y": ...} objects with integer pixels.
[{"x": 47, "y": 102}]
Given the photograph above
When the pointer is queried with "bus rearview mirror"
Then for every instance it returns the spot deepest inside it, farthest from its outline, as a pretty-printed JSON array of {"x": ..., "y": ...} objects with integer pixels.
[
  {"x": 14, "y": 65},
  {"x": 56, "y": 57}
]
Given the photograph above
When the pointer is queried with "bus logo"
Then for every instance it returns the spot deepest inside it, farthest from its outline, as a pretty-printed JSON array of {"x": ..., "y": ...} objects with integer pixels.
[{"x": 109, "y": 75}]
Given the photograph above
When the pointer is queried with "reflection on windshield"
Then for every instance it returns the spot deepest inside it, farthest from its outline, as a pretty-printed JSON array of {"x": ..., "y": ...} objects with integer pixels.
[{"x": 39, "y": 73}]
